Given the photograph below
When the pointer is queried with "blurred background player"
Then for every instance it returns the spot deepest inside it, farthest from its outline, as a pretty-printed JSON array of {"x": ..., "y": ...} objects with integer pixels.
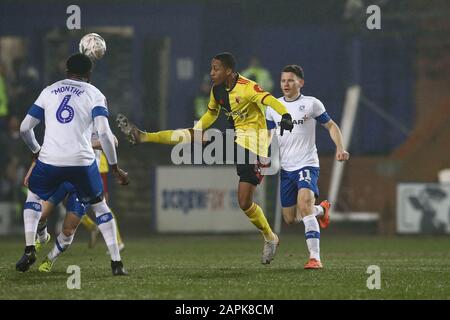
[
  {"x": 240, "y": 100},
  {"x": 299, "y": 160},
  {"x": 3, "y": 97},
  {"x": 256, "y": 72},
  {"x": 72, "y": 108},
  {"x": 202, "y": 98}
]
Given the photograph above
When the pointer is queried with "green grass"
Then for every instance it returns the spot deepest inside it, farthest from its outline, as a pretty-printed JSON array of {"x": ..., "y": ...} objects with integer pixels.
[{"x": 228, "y": 267}]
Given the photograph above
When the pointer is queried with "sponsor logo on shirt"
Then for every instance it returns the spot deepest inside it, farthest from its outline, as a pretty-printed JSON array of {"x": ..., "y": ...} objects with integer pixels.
[{"x": 236, "y": 114}]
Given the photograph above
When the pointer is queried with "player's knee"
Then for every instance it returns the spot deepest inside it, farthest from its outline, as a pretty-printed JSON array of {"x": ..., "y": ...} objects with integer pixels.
[
  {"x": 96, "y": 200},
  {"x": 68, "y": 231},
  {"x": 305, "y": 208},
  {"x": 100, "y": 208},
  {"x": 245, "y": 203}
]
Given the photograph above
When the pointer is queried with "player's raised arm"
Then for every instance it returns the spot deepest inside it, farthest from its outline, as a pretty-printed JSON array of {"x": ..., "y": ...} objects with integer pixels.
[{"x": 107, "y": 143}]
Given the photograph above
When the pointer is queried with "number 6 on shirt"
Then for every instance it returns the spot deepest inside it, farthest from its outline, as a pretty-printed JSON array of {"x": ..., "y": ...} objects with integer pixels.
[{"x": 67, "y": 116}]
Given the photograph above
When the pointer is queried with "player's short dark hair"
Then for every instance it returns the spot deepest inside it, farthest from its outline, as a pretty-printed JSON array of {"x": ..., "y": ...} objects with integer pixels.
[
  {"x": 227, "y": 60},
  {"x": 79, "y": 64},
  {"x": 295, "y": 69}
]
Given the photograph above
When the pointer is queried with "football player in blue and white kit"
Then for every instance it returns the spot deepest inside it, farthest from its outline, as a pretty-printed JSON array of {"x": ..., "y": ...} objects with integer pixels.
[
  {"x": 299, "y": 159},
  {"x": 75, "y": 212},
  {"x": 72, "y": 109}
]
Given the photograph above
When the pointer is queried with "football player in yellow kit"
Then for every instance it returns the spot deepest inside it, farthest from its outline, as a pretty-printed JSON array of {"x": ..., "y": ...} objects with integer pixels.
[{"x": 241, "y": 100}]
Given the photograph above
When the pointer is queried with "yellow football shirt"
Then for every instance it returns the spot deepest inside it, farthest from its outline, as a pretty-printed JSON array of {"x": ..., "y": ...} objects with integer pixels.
[{"x": 243, "y": 105}]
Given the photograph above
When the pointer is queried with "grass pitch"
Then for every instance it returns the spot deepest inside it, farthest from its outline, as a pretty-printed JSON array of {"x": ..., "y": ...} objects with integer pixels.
[{"x": 228, "y": 267}]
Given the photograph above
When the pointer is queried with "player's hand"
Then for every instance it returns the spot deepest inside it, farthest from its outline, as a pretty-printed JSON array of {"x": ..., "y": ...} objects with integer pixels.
[
  {"x": 121, "y": 176},
  {"x": 342, "y": 155},
  {"x": 27, "y": 176},
  {"x": 286, "y": 123}
]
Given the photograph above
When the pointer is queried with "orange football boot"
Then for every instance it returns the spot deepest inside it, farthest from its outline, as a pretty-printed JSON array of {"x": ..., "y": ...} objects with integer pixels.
[
  {"x": 324, "y": 220},
  {"x": 313, "y": 264}
]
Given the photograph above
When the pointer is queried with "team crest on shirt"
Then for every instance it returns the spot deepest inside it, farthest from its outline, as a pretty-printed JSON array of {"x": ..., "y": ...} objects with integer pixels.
[
  {"x": 301, "y": 108},
  {"x": 238, "y": 100},
  {"x": 305, "y": 117}
]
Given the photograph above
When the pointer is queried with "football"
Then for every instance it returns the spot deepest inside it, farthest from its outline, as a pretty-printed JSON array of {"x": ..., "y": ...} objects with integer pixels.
[{"x": 93, "y": 45}]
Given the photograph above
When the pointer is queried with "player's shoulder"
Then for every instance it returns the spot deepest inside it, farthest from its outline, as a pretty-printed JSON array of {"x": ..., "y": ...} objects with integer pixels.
[
  {"x": 244, "y": 81},
  {"x": 249, "y": 86},
  {"x": 311, "y": 99},
  {"x": 93, "y": 89},
  {"x": 94, "y": 93},
  {"x": 308, "y": 98}
]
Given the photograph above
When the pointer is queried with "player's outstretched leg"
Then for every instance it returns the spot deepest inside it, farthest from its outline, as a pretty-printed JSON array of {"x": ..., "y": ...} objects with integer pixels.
[
  {"x": 107, "y": 226},
  {"x": 31, "y": 216},
  {"x": 129, "y": 129},
  {"x": 136, "y": 136}
]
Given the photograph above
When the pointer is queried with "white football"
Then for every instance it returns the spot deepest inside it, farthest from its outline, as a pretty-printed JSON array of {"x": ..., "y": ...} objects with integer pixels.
[{"x": 93, "y": 45}]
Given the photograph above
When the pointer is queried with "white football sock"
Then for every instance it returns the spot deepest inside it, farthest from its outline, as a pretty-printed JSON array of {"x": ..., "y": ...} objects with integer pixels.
[
  {"x": 62, "y": 242},
  {"x": 42, "y": 231},
  {"x": 31, "y": 216},
  {"x": 107, "y": 226},
  {"x": 318, "y": 211},
  {"x": 312, "y": 235}
]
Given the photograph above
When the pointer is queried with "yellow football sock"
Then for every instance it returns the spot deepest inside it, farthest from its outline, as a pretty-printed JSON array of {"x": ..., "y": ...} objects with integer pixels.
[
  {"x": 88, "y": 222},
  {"x": 167, "y": 136},
  {"x": 256, "y": 216}
]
